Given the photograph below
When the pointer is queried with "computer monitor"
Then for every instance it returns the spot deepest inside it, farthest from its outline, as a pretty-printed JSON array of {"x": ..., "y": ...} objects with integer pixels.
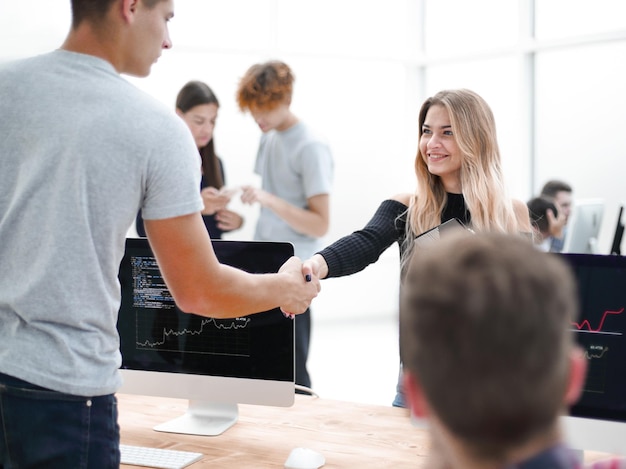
[
  {"x": 214, "y": 363},
  {"x": 597, "y": 421},
  {"x": 616, "y": 244},
  {"x": 583, "y": 227}
]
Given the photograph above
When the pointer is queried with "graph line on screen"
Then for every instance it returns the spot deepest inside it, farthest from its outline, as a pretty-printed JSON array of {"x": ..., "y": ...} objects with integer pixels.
[
  {"x": 595, "y": 352},
  {"x": 585, "y": 325},
  {"x": 159, "y": 326},
  {"x": 597, "y": 356},
  {"x": 163, "y": 331}
]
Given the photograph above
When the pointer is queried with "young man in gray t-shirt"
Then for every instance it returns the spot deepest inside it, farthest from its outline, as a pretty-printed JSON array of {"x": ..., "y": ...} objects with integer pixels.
[{"x": 82, "y": 150}]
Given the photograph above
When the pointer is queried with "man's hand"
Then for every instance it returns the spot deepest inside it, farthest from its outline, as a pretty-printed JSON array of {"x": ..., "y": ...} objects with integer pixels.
[
  {"x": 556, "y": 223},
  {"x": 302, "y": 282},
  {"x": 251, "y": 195}
]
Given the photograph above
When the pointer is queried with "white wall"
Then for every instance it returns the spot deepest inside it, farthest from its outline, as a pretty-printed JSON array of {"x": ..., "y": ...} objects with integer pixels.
[{"x": 362, "y": 69}]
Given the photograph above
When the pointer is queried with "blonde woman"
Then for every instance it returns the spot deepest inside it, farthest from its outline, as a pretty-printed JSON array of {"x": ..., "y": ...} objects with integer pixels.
[{"x": 459, "y": 175}]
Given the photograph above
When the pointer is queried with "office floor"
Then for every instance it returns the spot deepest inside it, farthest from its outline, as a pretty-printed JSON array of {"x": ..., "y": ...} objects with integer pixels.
[{"x": 355, "y": 359}]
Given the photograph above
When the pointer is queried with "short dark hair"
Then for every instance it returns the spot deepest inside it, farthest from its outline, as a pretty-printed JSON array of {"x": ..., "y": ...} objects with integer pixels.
[
  {"x": 94, "y": 10},
  {"x": 551, "y": 188},
  {"x": 538, "y": 208},
  {"x": 485, "y": 328}
]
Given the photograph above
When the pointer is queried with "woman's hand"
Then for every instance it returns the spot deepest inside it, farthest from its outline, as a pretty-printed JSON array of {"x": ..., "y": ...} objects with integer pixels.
[
  {"x": 214, "y": 200},
  {"x": 227, "y": 220}
]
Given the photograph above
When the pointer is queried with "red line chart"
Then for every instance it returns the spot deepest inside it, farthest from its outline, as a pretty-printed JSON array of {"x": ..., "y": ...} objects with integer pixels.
[{"x": 585, "y": 326}]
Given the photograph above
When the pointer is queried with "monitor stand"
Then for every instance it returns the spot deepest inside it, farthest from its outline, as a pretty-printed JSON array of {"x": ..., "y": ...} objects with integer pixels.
[{"x": 203, "y": 418}]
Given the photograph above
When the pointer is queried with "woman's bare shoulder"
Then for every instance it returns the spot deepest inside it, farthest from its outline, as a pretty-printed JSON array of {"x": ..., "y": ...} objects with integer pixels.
[
  {"x": 522, "y": 215},
  {"x": 404, "y": 198}
]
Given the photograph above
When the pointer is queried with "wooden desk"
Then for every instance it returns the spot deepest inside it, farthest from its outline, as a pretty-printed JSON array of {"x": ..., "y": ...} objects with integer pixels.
[{"x": 349, "y": 435}]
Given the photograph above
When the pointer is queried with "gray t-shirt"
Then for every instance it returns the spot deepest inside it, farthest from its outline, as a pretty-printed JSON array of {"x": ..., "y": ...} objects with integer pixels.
[
  {"x": 82, "y": 150},
  {"x": 294, "y": 164}
]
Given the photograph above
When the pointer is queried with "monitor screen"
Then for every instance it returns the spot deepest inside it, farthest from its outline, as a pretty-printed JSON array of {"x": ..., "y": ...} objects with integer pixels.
[
  {"x": 583, "y": 228},
  {"x": 214, "y": 363},
  {"x": 598, "y": 420},
  {"x": 616, "y": 244}
]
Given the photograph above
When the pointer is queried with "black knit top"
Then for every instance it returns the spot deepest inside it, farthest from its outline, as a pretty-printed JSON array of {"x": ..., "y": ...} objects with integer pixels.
[
  {"x": 455, "y": 208},
  {"x": 354, "y": 252}
]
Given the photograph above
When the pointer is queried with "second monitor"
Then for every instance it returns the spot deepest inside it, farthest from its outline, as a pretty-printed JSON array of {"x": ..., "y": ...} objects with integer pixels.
[
  {"x": 598, "y": 420},
  {"x": 583, "y": 229},
  {"x": 616, "y": 244}
]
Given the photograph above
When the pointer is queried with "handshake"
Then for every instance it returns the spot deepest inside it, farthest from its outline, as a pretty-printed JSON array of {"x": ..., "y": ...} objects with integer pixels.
[
  {"x": 303, "y": 292},
  {"x": 300, "y": 279}
]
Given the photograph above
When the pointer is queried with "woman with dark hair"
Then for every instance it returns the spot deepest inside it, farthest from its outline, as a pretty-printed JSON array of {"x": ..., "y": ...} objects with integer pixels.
[{"x": 197, "y": 105}]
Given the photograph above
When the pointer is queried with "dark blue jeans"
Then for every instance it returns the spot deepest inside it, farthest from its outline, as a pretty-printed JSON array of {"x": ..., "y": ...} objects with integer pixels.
[
  {"x": 303, "y": 337},
  {"x": 400, "y": 400},
  {"x": 40, "y": 428}
]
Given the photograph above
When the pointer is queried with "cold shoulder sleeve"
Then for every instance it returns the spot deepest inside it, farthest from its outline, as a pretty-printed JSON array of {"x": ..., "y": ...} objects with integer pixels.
[{"x": 354, "y": 252}]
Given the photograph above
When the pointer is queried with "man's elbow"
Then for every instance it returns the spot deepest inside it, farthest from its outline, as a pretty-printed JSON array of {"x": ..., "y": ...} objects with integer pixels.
[
  {"x": 188, "y": 305},
  {"x": 193, "y": 303}
]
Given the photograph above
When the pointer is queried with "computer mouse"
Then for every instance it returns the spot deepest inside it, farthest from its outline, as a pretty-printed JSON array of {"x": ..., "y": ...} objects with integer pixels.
[{"x": 304, "y": 458}]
